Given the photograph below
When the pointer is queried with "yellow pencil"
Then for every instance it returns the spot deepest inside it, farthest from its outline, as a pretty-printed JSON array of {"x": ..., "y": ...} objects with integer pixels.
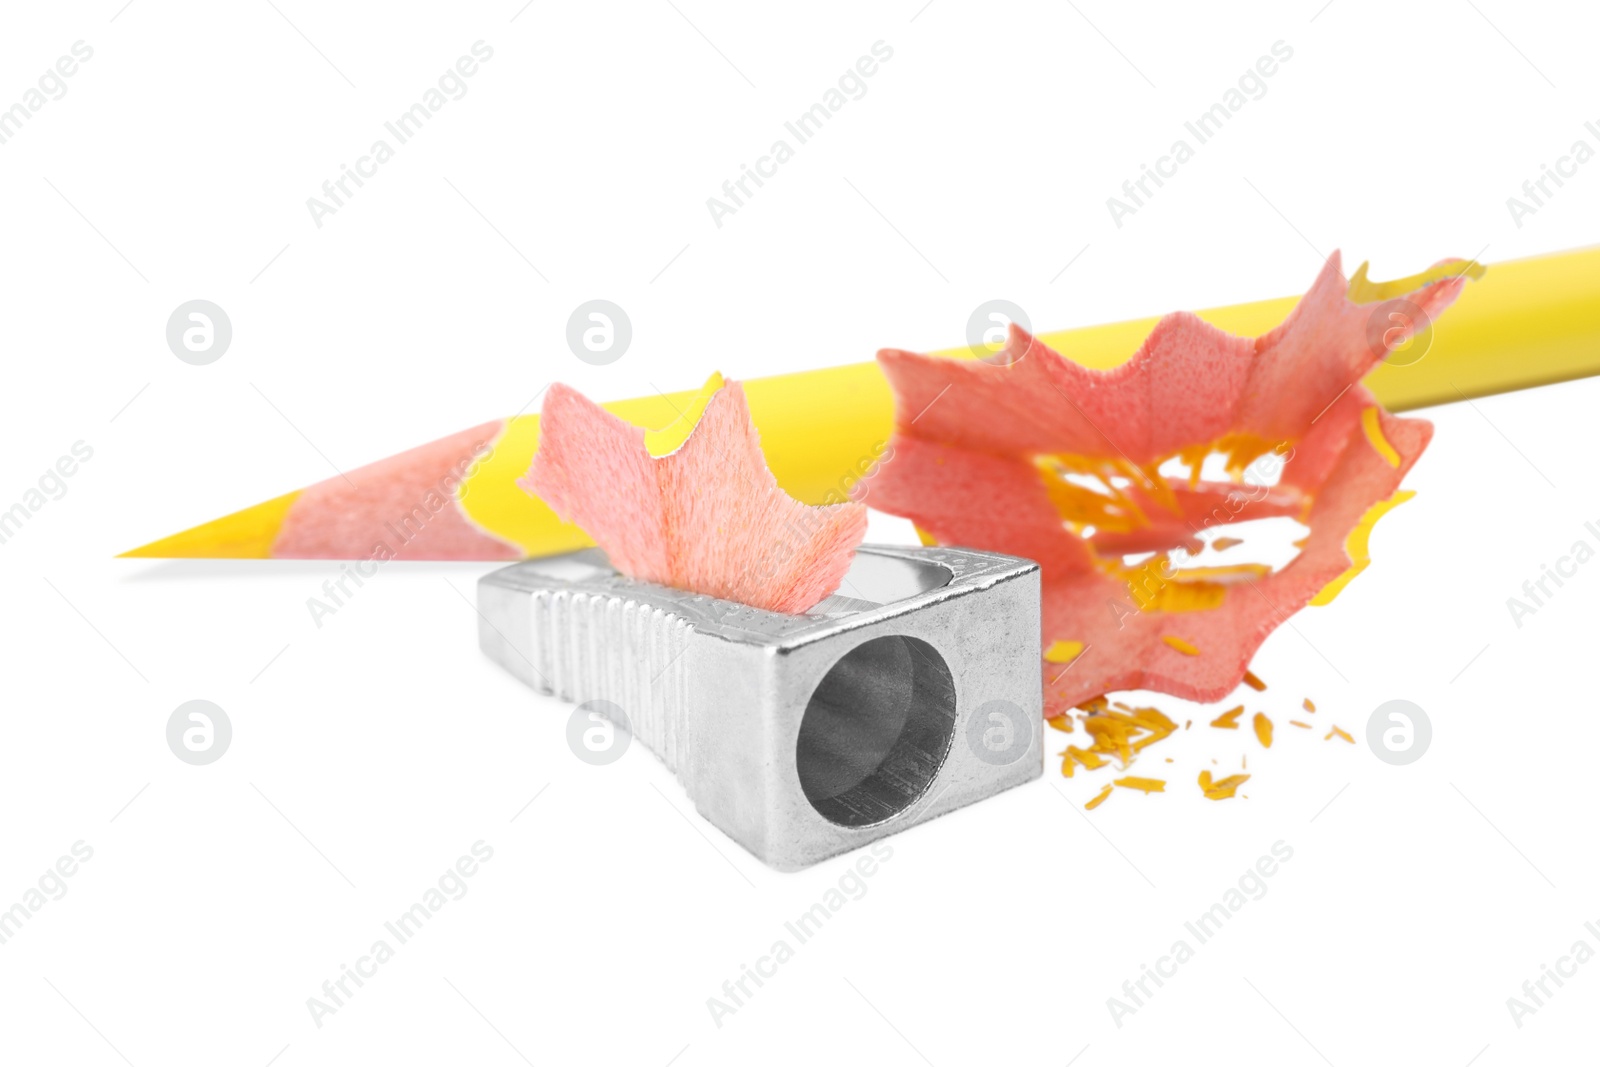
[{"x": 1524, "y": 323}]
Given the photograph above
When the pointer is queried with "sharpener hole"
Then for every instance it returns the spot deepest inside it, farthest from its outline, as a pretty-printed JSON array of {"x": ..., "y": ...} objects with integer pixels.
[{"x": 876, "y": 731}]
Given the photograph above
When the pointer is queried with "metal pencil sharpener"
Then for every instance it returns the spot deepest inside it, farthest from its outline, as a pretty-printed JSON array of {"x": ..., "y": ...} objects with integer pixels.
[{"x": 913, "y": 691}]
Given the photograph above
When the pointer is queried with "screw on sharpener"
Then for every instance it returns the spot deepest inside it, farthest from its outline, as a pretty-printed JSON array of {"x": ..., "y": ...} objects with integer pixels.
[{"x": 913, "y": 691}]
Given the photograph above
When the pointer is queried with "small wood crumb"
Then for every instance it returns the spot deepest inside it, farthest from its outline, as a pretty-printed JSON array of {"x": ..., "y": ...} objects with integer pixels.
[{"x": 1063, "y": 651}]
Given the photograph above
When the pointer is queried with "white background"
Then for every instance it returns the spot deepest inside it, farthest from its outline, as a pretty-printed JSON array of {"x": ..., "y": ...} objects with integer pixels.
[{"x": 370, "y": 753}]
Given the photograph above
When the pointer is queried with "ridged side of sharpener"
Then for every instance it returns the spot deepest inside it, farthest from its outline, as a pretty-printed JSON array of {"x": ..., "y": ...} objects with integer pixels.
[{"x": 596, "y": 647}]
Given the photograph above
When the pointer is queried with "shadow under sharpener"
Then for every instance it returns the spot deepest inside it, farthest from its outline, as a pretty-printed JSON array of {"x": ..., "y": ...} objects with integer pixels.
[{"x": 913, "y": 691}]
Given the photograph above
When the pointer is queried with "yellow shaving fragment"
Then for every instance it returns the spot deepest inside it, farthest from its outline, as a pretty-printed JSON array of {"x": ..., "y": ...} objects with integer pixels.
[
  {"x": 1222, "y": 544},
  {"x": 671, "y": 437},
  {"x": 1302, "y": 725},
  {"x": 1156, "y": 586},
  {"x": 1241, "y": 450},
  {"x": 1380, "y": 443},
  {"x": 1158, "y": 724},
  {"x": 1060, "y": 722},
  {"x": 1063, "y": 651},
  {"x": 1232, "y": 572},
  {"x": 1228, "y": 720},
  {"x": 1355, "y": 546},
  {"x": 1090, "y": 760},
  {"x": 1309, "y": 706},
  {"x": 1122, "y": 734},
  {"x": 1224, "y": 788},
  {"x": 1105, "y": 505},
  {"x": 927, "y": 539},
  {"x": 1099, "y": 798},
  {"x": 1336, "y": 732},
  {"x": 1263, "y": 728},
  {"x": 1254, "y": 683},
  {"x": 1144, "y": 785},
  {"x": 1181, "y": 645},
  {"x": 1364, "y": 291},
  {"x": 1110, "y": 735},
  {"x": 1108, "y": 507}
]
